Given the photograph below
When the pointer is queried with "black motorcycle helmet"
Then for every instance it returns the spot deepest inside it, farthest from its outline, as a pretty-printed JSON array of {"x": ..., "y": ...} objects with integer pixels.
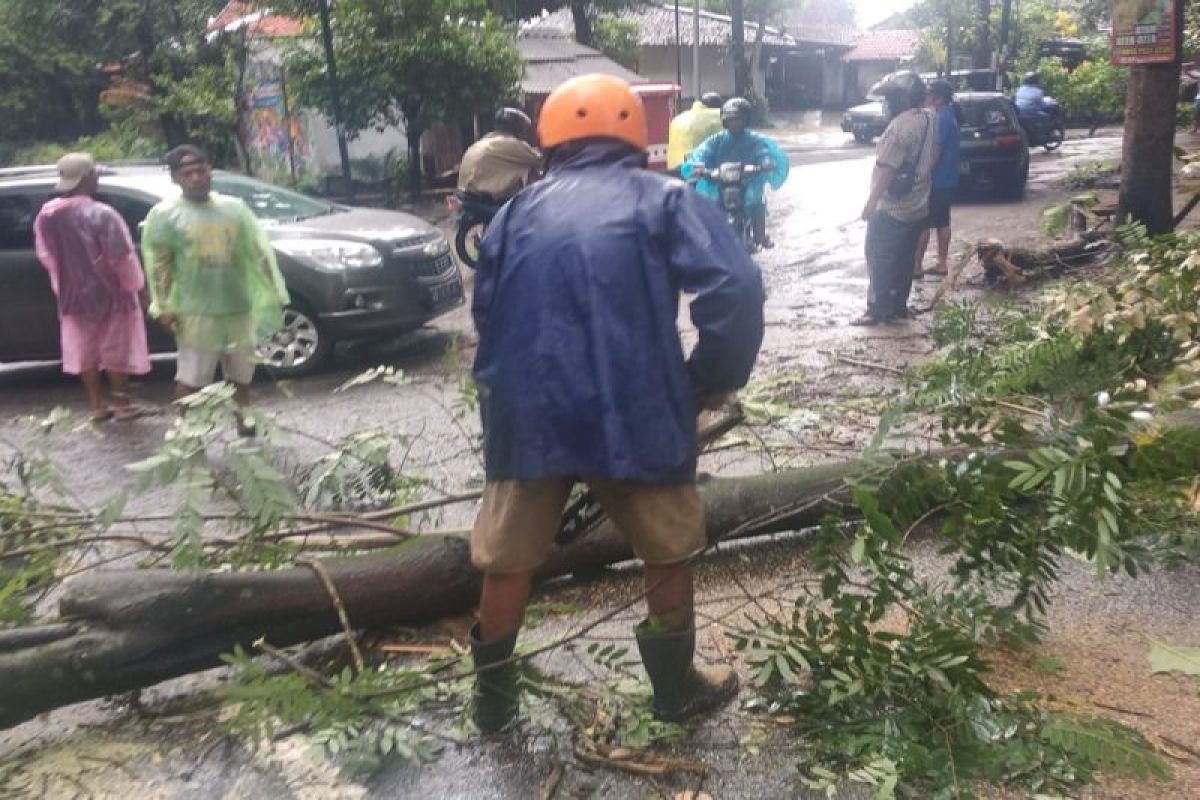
[
  {"x": 738, "y": 108},
  {"x": 712, "y": 100},
  {"x": 1032, "y": 79},
  {"x": 901, "y": 91},
  {"x": 514, "y": 122}
]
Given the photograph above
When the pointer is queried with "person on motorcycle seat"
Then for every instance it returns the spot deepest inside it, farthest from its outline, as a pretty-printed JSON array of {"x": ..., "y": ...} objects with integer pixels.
[
  {"x": 688, "y": 129},
  {"x": 736, "y": 143},
  {"x": 503, "y": 162},
  {"x": 1031, "y": 100}
]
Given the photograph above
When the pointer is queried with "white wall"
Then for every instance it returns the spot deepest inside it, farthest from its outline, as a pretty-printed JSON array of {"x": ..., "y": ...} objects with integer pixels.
[
  {"x": 314, "y": 149},
  {"x": 716, "y": 69}
]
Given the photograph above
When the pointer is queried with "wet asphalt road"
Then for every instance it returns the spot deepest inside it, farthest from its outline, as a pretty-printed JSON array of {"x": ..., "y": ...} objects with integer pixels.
[{"x": 816, "y": 281}]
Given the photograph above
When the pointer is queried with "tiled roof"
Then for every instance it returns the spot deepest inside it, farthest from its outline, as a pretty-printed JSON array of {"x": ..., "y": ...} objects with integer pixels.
[
  {"x": 821, "y": 33},
  {"x": 552, "y": 57},
  {"x": 656, "y": 26},
  {"x": 257, "y": 19},
  {"x": 885, "y": 46}
]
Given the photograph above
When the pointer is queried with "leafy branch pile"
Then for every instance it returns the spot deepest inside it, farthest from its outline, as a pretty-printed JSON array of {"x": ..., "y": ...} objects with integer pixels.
[{"x": 1058, "y": 440}]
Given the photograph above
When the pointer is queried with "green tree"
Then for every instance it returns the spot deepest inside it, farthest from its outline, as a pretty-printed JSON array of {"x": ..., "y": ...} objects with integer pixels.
[
  {"x": 616, "y": 38},
  {"x": 1094, "y": 91},
  {"x": 410, "y": 62},
  {"x": 51, "y": 54}
]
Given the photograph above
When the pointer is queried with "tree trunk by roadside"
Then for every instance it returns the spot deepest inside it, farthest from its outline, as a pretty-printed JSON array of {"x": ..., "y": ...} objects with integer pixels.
[
  {"x": 983, "y": 34},
  {"x": 122, "y": 630},
  {"x": 413, "y": 134},
  {"x": 756, "y": 53},
  {"x": 583, "y": 22},
  {"x": 1149, "y": 147}
]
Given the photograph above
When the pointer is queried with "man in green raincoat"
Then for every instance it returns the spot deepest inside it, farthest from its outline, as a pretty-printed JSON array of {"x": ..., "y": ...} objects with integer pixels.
[{"x": 213, "y": 279}]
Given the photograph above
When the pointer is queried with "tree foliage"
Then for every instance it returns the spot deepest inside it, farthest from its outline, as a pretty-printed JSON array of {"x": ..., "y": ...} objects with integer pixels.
[
  {"x": 409, "y": 62},
  {"x": 1093, "y": 92},
  {"x": 54, "y": 53}
]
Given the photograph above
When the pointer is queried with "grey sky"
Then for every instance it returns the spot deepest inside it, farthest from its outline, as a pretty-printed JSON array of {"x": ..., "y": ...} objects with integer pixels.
[{"x": 872, "y": 11}]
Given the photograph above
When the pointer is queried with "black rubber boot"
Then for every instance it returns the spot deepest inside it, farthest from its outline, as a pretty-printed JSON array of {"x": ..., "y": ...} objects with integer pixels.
[
  {"x": 681, "y": 689},
  {"x": 497, "y": 691}
]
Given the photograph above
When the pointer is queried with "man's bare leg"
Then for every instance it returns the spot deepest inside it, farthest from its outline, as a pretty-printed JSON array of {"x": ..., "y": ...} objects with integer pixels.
[
  {"x": 95, "y": 393},
  {"x": 123, "y": 404},
  {"x": 922, "y": 246},
  {"x": 669, "y": 591},
  {"x": 241, "y": 398},
  {"x": 943, "y": 235},
  {"x": 502, "y": 604}
]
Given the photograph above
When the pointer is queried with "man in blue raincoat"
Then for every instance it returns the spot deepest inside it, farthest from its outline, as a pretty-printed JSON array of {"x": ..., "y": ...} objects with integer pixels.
[
  {"x": 582, "y": 378},
  {"x": 738, "y": 143}
]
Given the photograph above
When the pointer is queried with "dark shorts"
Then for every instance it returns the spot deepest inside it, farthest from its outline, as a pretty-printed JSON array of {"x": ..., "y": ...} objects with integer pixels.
[{"x": 939, "y": 208}]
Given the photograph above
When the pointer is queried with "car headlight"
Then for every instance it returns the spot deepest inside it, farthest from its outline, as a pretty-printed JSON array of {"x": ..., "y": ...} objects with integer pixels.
[
  {"x": 331, "y": 253},
  {"x": 438, "y": 247}
]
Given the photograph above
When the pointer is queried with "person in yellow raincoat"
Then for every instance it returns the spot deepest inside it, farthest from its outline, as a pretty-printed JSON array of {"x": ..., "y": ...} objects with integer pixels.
[
  {"x": 213, "y": 279},
  {"x": 689, "y": 129}
]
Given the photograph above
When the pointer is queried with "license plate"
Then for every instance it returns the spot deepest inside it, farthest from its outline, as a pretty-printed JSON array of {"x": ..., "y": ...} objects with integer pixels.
[{"x": 446, "y": 294}]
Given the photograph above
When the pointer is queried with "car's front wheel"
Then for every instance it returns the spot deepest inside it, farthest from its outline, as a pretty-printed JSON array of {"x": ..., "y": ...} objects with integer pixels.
[
  {"x": 863, "y": 138},
  {"x": 299, "y": 348}
]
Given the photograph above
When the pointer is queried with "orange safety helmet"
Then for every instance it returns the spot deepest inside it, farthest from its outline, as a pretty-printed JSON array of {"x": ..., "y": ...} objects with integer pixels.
[{"x": 593, "y": 106}]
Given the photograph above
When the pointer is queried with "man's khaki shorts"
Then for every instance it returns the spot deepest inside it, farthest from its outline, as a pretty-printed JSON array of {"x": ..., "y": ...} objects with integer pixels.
[{"x": 518, "y": 520}]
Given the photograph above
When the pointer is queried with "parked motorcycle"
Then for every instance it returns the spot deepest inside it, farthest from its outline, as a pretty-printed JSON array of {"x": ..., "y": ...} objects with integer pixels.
[
  {"x": 731, "y": 179},
  {"x": 1047, "y": 131},
  {"x": 473, "y": 214}
]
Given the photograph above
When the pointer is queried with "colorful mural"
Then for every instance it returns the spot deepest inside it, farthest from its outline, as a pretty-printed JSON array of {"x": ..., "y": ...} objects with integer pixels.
[{"x": 277, "y": 138}]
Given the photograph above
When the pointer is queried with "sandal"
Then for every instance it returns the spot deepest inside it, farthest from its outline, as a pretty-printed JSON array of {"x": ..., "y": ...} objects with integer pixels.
[
  {"x": 865, "y": 320},
  {"x": 102, "y": 415},
  {"x": 127, "y": 412}
]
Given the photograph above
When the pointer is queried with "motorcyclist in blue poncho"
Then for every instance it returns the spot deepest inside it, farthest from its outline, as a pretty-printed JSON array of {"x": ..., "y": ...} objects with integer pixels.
[
  {"x": 1030, "y": 100},
  {"x": 738, "y": 143}
]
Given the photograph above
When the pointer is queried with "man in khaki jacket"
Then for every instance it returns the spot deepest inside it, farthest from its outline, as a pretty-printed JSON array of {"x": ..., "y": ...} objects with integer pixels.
[{"x": 500, "y": 164}]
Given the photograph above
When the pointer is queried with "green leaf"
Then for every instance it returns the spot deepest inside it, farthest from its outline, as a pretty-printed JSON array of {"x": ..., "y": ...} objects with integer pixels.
[{"x": 1166, "y": 657}]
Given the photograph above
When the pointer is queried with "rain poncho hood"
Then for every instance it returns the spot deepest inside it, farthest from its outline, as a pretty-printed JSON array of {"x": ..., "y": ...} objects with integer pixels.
[
  {"x": 211, "y": 264},
  {"x": 689, "y": 130},
  {"x": 746, "y": 147},
  {"x": 580, "y": 367}
]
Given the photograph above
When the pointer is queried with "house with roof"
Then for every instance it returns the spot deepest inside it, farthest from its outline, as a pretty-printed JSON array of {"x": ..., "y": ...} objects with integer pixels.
[
  {"x": 284, "y": 141},
  {"x": 281, "y": 140},
  {"x": 795, "y": 69},
  {"x": 875, "y": 54}
]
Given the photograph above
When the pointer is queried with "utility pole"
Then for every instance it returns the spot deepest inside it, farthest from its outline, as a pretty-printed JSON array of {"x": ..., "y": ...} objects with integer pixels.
[
  {"x": 949, "y": 37},
  {"x": 696, "y": 48},
  {"x": 737, "y": 46},
  {"x": 335, "y": 94},
  {"x": 678, "y": 51},
  {"x": 1002, "y": 47}
]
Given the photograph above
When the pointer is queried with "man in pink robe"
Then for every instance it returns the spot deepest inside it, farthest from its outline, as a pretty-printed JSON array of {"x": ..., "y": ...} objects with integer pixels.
[{"x": 96, "y": 276}]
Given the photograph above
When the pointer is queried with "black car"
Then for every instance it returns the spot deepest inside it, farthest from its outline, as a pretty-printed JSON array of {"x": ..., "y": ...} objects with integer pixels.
[
  {"x": 866, "y": 121},
  {"x": 352, "y": 273},
  {"x": 993, "y": 149}
]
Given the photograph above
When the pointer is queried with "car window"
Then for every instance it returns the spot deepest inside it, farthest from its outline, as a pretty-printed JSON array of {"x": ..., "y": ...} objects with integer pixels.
[
  {"x": 132, "y": 209},
  {"x": 270, "y": 202},
  {"x": 983, "y": 115},
  {"x": 17, "y": 212}
]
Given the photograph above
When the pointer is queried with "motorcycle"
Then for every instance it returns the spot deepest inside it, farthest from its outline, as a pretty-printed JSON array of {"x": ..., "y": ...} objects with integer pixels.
[
  {"x": 1047, "y": 131},
  {"x": 473, "y": 214},
  {"x": 730, "y": 179}
]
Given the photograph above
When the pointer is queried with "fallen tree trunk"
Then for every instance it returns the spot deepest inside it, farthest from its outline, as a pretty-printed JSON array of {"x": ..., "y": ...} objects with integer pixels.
[{"x": 122, "y": 630}]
